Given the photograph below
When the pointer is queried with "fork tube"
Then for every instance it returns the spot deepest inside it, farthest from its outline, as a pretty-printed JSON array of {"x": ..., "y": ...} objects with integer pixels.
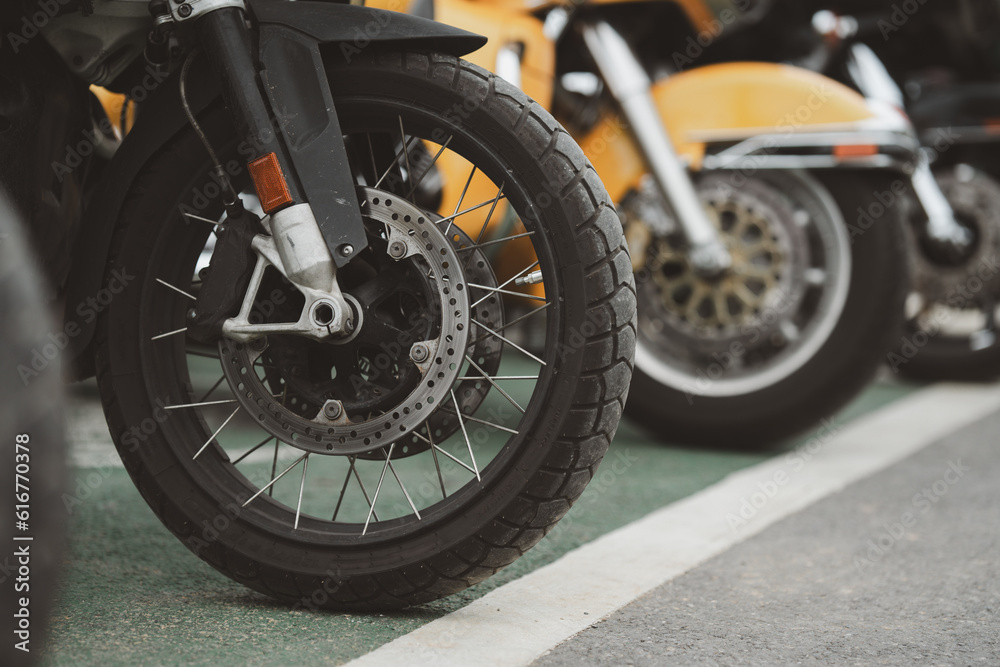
[{"x": 631, "y": 88}]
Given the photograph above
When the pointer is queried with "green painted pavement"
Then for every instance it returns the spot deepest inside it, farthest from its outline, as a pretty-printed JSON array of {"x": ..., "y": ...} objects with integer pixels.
[{"x": 132, "y": 594}]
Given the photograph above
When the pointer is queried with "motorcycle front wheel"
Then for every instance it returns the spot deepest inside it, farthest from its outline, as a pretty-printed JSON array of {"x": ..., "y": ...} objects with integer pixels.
[
  {"x": 788, "y": 335},
  {"x": 435, "y": 469}
]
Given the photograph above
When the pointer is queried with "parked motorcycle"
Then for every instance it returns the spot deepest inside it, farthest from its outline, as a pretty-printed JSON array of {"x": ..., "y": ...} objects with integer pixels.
[
  {"x": 953, "y": 100},
  {"x": 307, "y": 370},
  {"x": 762, "y": 306},
  {"x": 951, "y": 192}
]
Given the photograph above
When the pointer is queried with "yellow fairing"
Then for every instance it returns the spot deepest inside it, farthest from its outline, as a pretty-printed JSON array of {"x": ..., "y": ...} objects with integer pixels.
[
  {"x": 113, "y": 103},
  {"x": 725, "y": 102}
]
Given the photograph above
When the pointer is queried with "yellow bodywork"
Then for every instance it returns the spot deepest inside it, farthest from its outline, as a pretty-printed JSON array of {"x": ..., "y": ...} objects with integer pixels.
[
  {"x": 725, "y": 102},
  {"x": 113, "y": 103}
]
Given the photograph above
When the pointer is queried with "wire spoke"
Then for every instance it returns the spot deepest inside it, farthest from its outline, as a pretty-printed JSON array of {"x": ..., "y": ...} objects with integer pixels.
[
  {"x": 169, "y": 333},
  {"x": 212, "y": 437},
  {"x": 505, "y": 291},
  {"x": 461, "y": 199},
  {"x": 468, "y": 210},
  {"x": 508, "y": 341},
  {"x": 274, "y": 464},
  {"x": 477, "y": 420},
  {"x": 429, "y": 167},
  {"x": 393, "y": 164},
  {"x": 214, "y": 387},
  {"x": 495, "y": 385},
  {"x": 357, "y": 476},
  {"x": 302, "y": 486},
  {"x": 406, "y": 153},
  {"x": 413, "y": 507},
  {"x": 506, "y": 282},
  {"x": 437, "y": 465},
  {"x": 343, "y": 489},
  {"x": 176, "y": 289},
  {"x": 254, "y": 449},
  {"x": 514, "y": 321},
  {"x": 498, "y": 378},
  {"x": 461, "y": 422},
  {"x": 271, "y": 483},
  {"x": 444, "y": 451},
  {"x": 198, "y": 405},
  {"x": 378, "y": 488},
  {"x": 214, "y": 223},
  {"x": 493, "y": 242}
]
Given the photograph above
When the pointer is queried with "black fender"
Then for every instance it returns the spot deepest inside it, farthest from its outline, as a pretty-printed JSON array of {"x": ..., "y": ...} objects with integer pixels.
[{"x": 352, "y": 28}]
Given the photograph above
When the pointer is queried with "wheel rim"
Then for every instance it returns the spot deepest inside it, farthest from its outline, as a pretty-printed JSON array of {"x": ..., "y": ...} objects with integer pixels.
[
  {"x": 795, "y": 327},
  {"x": 400, "y": 487}
]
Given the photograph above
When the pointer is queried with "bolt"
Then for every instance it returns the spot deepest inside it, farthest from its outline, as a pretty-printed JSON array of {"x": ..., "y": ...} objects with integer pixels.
[
  {"x": 419, "y": 353},
  {"x": 346, "y": 250},
  {"x": 397, "y": 250},
  {"x": 184, "y": 11},
  {"x": 192, "y": 313},
  {"x": 333, "y": 409},
  {"x": 349, "y": 326}
]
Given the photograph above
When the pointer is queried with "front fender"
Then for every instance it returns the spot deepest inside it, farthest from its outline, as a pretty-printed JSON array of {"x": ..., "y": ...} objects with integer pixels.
[
  {"x": 352, "y": 28},
  {"x": 355, "y": 27},
  {"x": 725, "y": 104}
]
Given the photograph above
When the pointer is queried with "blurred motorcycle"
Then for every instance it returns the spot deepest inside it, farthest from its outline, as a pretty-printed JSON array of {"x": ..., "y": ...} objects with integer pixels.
[
  {"x": 955, "y": 214},
  {"x": 951, "y": 198},
  {"x": 762, "y": 305}
]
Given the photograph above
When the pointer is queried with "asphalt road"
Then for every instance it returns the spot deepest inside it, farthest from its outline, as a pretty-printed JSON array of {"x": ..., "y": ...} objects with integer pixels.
[{"x": 902, "y": 568}]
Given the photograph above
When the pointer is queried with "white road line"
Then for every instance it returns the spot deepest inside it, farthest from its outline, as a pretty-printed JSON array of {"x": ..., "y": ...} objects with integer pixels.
[{"x": 520, "y": 621}]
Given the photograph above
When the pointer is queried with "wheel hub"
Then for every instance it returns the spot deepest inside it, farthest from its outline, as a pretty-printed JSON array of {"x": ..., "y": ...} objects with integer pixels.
[
  {"x": 710, "y": 313},
  {"x": 401, "y": 362}
]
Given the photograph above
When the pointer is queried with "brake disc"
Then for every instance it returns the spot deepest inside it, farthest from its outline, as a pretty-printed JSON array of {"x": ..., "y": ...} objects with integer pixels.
[
  {"x": 975, "y": 198},
  {"x": 765, "y": 282},
  {"x": 418, "y": 378}
]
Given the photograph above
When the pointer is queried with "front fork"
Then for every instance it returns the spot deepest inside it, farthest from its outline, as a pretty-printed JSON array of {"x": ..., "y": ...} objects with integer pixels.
[
  {"x": 302, "y": 175},
  {"x": 631, "y": 87}
]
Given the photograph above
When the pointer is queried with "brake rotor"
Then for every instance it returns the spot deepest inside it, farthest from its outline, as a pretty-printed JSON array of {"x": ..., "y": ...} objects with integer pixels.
[
  {"x": 768, "y": 249},
  {"x": 398, "y": 367},
  {"x": 975, "y": 198}
]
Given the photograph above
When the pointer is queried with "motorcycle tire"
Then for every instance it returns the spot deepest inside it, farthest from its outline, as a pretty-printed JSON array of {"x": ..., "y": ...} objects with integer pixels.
[
  {"x": 758, "y": 410},
  {"x": 546, "y": 441}
]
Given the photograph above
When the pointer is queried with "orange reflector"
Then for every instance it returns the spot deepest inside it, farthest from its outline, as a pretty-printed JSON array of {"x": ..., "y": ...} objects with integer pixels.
[
  {"x": 992, "y": 125},
  {"x": 269, "y": 182},
  {"x": 855, "y": 151}
]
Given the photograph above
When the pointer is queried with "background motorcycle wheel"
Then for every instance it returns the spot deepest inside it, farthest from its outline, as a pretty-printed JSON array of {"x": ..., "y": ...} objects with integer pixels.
[
  {"x": 841, "y": 286},
  {"x": 947, "y": 337},
  {"x": 430, "y": 518}
]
